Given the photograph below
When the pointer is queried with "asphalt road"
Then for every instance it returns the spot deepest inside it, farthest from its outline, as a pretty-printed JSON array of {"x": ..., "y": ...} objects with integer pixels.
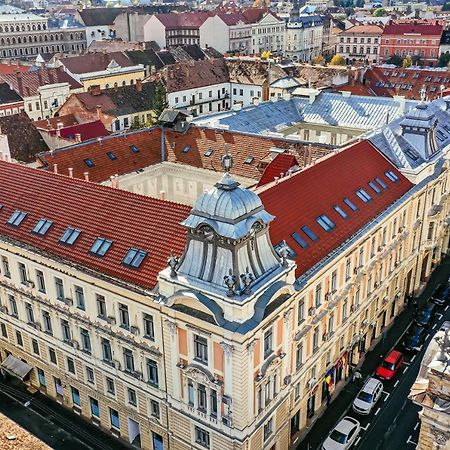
[{"x": 393, "y": 423}]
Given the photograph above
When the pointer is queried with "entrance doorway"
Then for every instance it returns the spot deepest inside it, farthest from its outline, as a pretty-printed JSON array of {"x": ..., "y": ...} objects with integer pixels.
[
  {"x": 423, "y": 273},
  {"x": 134, "y": 433},
  {"x": 383, "y": 319},
  {"x": 311, "y": 406},
  {"x": 295, "y": 423}
]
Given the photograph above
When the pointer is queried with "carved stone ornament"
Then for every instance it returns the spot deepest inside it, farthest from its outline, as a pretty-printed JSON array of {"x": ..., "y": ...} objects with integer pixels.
[
  {"x": 441, "y": 437},
  {"x": 287, "y": 315},
  {"x": 228, "y": 349},
  {"x": 284, "y": 253},
  {"x": 247, "y": 279},
  {"x": 172, "y": 262},
  {"x": 230, "y": 282}
]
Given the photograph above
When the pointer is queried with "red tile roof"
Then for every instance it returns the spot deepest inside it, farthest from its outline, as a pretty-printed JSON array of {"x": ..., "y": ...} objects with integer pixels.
[
  {"x": 89, "y": 130},
  {"x": 128, "y": 219},
  {"x": 200, "y": 141},
  {"x": 94, "y": 62},
  {"x": 362, "y": 29},
  {"x": 279, "y": 165},
  {"x": 26, "y": 84},
  {"x": 8, "y": 69},
  {"x": 300, "y": 199},
  {"x": 183, "y": 20},
  {"x": 432, "y": 28},
  {"x": 66, "y": 120}
]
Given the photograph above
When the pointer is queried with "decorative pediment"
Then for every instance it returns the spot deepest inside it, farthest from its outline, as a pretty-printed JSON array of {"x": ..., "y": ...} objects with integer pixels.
[{"x": 201, "y": 375}]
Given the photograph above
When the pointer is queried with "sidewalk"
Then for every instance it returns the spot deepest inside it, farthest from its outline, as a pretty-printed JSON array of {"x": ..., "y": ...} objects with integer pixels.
[{"x": 339, "y": 405}]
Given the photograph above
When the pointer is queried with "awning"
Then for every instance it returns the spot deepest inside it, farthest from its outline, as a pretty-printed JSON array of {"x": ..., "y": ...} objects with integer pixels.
[{"x": 16, "y": 367}]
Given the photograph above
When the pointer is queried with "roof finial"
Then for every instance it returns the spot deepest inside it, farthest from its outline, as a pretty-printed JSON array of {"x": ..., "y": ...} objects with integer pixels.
[
  {"x": 227, "y": 160},
  {"x": 423, "y": 94}
]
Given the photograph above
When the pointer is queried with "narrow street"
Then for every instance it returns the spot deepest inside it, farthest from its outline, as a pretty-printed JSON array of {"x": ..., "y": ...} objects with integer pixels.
[{"x": 394, "y": 423}]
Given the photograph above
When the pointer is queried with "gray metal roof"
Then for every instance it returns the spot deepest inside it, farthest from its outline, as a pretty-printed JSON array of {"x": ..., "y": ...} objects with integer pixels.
[{"x": 328, "y": 108}]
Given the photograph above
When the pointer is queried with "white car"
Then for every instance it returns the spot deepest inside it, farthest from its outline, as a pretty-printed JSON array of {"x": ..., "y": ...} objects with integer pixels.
[
  {"x": 343, "y": 435},
  {"x": 368, "y": 396}
]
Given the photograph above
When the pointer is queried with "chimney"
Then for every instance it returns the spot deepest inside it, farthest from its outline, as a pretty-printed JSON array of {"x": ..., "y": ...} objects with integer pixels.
[
  {"x": 162, "y": 195},
  {"x": 55, "y": 168},
  {"x": 99, "y": 112},
  {"x": 116, "y": 181},
  {"x": 139, "y": 85},
  {"x": 95, "y": 90},
  {"x": 70, "y": 172},
  {"x": 1, "y": 156},
  {"x": 77, "y": 137},
  {"x": 86, "y": 176},
  {"x": 312, "y": 97}
]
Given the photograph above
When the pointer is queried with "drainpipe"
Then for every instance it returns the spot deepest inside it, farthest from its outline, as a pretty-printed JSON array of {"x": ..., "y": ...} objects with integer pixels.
[{"x": 163, "y": 150}]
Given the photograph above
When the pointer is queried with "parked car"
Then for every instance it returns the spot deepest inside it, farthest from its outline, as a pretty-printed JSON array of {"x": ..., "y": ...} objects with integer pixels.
[
  {"x": 343, "y": 436},
  {"x": 415, "y": 338},
  {"x": 390, "y": 366},
  {"x": 441, "y": 295},
  {"x": 368, "y": 396},
  {"x": 426, "y": 315}
]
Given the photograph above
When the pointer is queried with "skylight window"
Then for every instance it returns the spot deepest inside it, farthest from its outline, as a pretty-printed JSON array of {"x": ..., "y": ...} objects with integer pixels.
[
  {"x": 249, "y": 159},
  {"x": 134, "y": 257},
  {"x": 42, "y": 226},
  {"x": 186, "y": 148},
  {"x": 341, "y": 212},
  {"x": 310, "y": 233},
  {"x": 325, "y": 222},
  {"x": 70, "y": 236},
  {"x": 381, "y": 183},
  {"x": 391, "y": 175},
  {"x": 101, "y": 246},
  {"x": 374, "y": 187},
  {"x": 412, "y": 154},
  {"x": 209, "y": 152},
  {"x": 89, "y": 162},
  {"x": 17, "y": 218},
  {"x": 350, "y": 204},
  {"x": 363, "y": 195},
  {"x": 300, "y": 241},
  {"x": 111, "y": 155},
  {"x": 134, "y": 149}
]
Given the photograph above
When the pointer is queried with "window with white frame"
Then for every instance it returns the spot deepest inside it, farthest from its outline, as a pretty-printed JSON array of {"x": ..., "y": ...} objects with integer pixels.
[{"x": 200, "y": 349}]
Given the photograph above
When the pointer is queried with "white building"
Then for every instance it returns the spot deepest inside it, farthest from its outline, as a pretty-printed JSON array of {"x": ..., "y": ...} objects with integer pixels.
[
  {"x": 304, "y": 37},
  {"x": 268, "y": 34}
]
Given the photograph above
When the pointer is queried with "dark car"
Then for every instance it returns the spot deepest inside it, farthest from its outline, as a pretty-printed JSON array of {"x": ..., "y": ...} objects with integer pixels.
[
  {"x": 426, "y": 315},
  {"x": 415, "y": 338},
  {"x": 441, "y": 294}
]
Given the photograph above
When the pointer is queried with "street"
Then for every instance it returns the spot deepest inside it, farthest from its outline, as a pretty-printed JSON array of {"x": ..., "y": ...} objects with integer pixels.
[{"x": 394, "y": 421}]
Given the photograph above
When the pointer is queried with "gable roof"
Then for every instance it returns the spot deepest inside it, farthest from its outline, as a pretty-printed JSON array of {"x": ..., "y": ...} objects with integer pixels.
[
  {"x": 7, "y": 69},
  {"x": 423, "y": 28},
  {"x": 197, "y": 147},
  {"x": 129, "y": 220},
  {"x": 27, "y": 84},
  {"x": 363, "y": 29},
  {"x": 184, "y": 19},
  {"x": 317, "y": 189},
  {"x": 8, "y": 95},
  {"x": 88, "y": 130},
  {"x": 279, "y": 165},
  {"x": 92, "y": 17},
  {"x": 24, "y": 139},
  {"x": 94, "y": 62}
]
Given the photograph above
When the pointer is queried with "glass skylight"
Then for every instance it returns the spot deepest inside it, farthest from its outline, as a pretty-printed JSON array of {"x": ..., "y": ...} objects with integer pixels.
[
  {"x": 249, "y": 159},
  {"x": 134, "y": 257},
  {"x": 391, "y": 175},
  {"x": 208, "y": 152},
  {"x": 70, "y": 236},
  {"x": 186, "y": 148},
  {"x": 111, "y": 156},
  {"x": 300, "y": 241},
  {"x": 363, "y": 195},
  {"x": 341, "y": 212},
  {"x": 134, "y": 149},
  {"x": 381, "y": 183},
  {"x": 101, "y": 246},
  {"x": 89, "y": 162},
  {"x": 42, "y": 226},
  {"x": 350, "y": 204},
  {"x": 325, "y": 222},
  {"x": 310, "y": 233},
  {"x": 374, "y": 187},
  {"x": 17, "y": 218}
]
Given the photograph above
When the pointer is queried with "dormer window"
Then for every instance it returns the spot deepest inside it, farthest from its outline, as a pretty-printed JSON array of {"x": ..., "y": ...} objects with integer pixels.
[
  {"x": 100, "y": 246},
  {"x": 17, "y": 218}
]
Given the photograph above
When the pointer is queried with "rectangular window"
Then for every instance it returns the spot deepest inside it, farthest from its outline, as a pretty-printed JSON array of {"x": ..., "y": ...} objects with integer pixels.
[
  {"x": 52, "y": 355},
  {"x": 128, "y": 360},
  {"x": 30, "y": 312},
  {"x": 201, "y": 397},
  {"x": 35, "y": 346},
  {"x": 79, "y": 297},
  {"x": 268, "y": 429},
  {"x": 65, "y": 329},
  {"x": 190, "y": 393},
  {"x": 59, "y": 285},
  {"x": 70, "y": 365},
  {"x": 149, "y": 328},
  {"x": 124, "y": 316},
  {"x": 5, "y": 264},
  {"x": 132, "y": 397},
  {"x": 363, "y": 195},
  {"x": 100, "y": 247},
  {"x": 201, "y": 349},
  {"x": 361, "y": 257},
  {"x": 309, "y": 233},
  {"x": 115, "y": 421},
  {"x": 106, "y": 350},
  {"x": 40, "y": 281},
  {"x": 299, "y": 356},
  {"x": 348, "y": 269},
  {"x": 316, "y": 340},
  {"x": 331, "y": 323},
  {"x": 318, "y": 295},
  {"x": 19, "y": 338},
  {"x": 268, "y": 342},
  {"x": 350, "y": 204},
  {"x": 341, "y": 212},
  {"x": 90, "y": 375},
  {"x": 213, "y": 400},
  {"x": 42, "y": 226},
  {"x": 41, "y": 377},
  {"x": 75, "y": 396},
  {"x": 85, "y": 340},
  {"x": 101, "y": 306},
  {"x": 344, "y": 310},
  {"x": 381, "y": 183},
  {"x": 334, "y": 281},
  {"x": 300, "y": 241},
  {"x": 374, "y": 187},
  {"x": 134, "y": 258},
  {"x": 152, "y": 372},
  {"x": 392, "y": 176},
  {"x": 325, "y": 222},
  {"x": 47, "y": 322},
  {"x": 201, "y": 437},
  {"x": 4, "y": 331},
  {"x": 301, "y": 311},
  {"x": 95, "y": 410},
  {"x": 70, "y": 236},
  {"x": 154, "y": 409},
  {"x": 23, "y": 273},
  {"x": 110, "y": 386},
  {"x": 13, "y": 306}
]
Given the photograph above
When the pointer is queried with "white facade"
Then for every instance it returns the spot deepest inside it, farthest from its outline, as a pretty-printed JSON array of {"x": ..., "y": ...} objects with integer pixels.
[
  {"x": 359, "y": 45},
  {"x": 304, "y": 39},
  {"x": 154, "y": 30},
  {"x": 245, "y": 94},
  {"x": 203, "y": 100},
  {"x": 268, "y": 35},
  {"x": 99, "y": 33}
]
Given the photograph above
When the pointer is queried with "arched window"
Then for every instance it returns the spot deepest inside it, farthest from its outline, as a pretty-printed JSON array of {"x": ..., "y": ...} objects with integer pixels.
[
  {"x": 19, "y": 41},
  {"x": 30, "y": 39},
  {"x": 6, "y": 29},
  {"x": 17, "y": 28},
  {"x": 71, "y": 36},
  {"x": 45, "y": 38},
  {"x": 51, "y": 37},
  {"x": 34, "y": 27},
  {"x": 1, "y": 29},
  {"x": 13, "y": 40},
  {"x": 28, "y": 27},
  {"x": 39, "y": 27},
  {"x": 106, "y": 86},
  {"x": 23, "y": 28},
  {"x": 35, "y": 38},
  {"x": 116, "y": 85}
]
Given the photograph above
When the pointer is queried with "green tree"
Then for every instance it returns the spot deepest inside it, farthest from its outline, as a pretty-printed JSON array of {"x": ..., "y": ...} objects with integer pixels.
[
  {"x": 444, "y": 60},
  {"x": 446, "y": 7},
  {"x": 379, "y": 12},
  {"x": 337, "y": 60},
  {"x": 407, "y": 62},
  {"x": 159, "y": 102},
  {"x": 394, "y": 59}
]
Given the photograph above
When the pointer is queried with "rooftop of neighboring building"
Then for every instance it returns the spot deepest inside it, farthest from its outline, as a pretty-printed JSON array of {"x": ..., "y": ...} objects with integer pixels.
[
  {"x": 76, "y": 131},
  {"x": 24, "y": 139},
  {"x": 20, "y": 16},
  {"x": 8, "y": 95},
  {"x": 27, "y": 84},
  {"x": 419, "y": 27},
  {"x": 94, "y": 62},
  {"x": 191, "y": 19},
  {"x": 93, "y": 17},
  {"x": 445, "y": 39},
  {"x": 8, "y": 69},
  {"x": 247, "y": 72},
  {"x": 363, "y": 29},
  {"x": 197, "y": 147}
]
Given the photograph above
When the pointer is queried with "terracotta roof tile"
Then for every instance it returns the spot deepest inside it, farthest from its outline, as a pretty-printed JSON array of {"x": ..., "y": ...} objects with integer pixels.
[
  {"x": 89, "y": 130},
  {"x": 184, "y": 19},
  {"x": 431, "y": 28},
  {"x": 300, "y": 199},
  {"x": 128, "y": 219},
  {"x": 94, "y": 62},
  {"x": 8, "y": 69},
  {"x": 279, "y": 165}
]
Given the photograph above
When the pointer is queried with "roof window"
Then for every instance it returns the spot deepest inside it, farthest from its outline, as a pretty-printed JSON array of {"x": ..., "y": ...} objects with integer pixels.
[
  {"x": 363, "y": 195},
  {"x": 350, "y": 204},
  {"x": 374, "y": 187},
  {"x": 300, "y": 241},
  {"x": 208, "y": 152},
  {"x": 341, "y": 212},
  {"x": 101, "y": 246},
  {"x": 310, "y": 233},
  {"x": 111, "y": 155},
  {"x": 391, "y": 175},
  {"x": 70, "y": 236},
  {"x": 17, "y": 218},
  {"x": 42, "y": 226},
  {"x": 134, "y": 258},
  {"x": 381, "y": 183},
  {"x": 249, "y": 159},
  {"x": 325, "y": 222},
  {"x": 134, "y": 149},
  {"x": 186, "y": 148},
  {"x": 89, "y": 162}
]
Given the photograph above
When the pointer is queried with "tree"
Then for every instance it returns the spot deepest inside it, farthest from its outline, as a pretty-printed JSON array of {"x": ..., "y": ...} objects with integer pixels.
[
  {"x": 159, "y": 101},
  {"x": 395, "y": 60},
  {"x": 379, "y": 12},
  {"x": 446, "y": 7},
  {"x": 318, "y": 59},
  {"x": 337, "y": 60},
  {"x": 444, "y": 60},
  {"x": 407, "y": 62},
  {"x": 360, "y": 3}
]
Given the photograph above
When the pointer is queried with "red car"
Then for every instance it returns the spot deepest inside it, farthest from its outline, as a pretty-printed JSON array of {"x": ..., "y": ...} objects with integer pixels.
[{"x": 390, "y": 366}]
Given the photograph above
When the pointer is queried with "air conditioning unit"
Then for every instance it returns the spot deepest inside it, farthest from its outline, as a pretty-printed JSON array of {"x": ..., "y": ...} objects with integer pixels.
[
  {"x": 364, "y": 323},
  {"x": 75, "y": 344},
  {"x": 328, "y": 296},
  {"x": 325, "y": 336},
  {"x": 68, "y": 301},
  {"x": 134, "y": 330},
  {"x": 138, "y": 375},
  {"x": 111, "y": 320},
  {"x": 353, "y": 308}
]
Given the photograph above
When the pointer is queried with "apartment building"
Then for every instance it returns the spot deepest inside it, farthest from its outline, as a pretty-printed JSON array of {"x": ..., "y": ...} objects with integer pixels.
[{"x": 252, "y": 322}]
